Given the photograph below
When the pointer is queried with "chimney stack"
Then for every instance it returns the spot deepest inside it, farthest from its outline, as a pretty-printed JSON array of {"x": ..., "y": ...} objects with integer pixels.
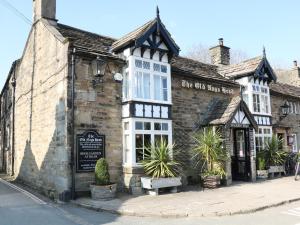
[
  {"x": 44, "y": 9},
  {"x": 295, "y": 64},
  {"x": 220, "y": 54}
]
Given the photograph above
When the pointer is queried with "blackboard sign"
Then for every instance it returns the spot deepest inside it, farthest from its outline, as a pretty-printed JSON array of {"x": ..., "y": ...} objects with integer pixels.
[{"x": 90, "y": 147}]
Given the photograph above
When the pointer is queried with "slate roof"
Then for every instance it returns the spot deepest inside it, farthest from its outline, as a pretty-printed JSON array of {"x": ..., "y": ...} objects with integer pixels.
[
  {"x": 133, "y": 35},
  {"x": 246, "y": 67},
  {"x": 221, "y": 112},
  {"x": 285, "y": 89},
  {"x": 139, "y": 32},
  {"x": 86, "y": 40},
  {"x": 196, "y": 68}
]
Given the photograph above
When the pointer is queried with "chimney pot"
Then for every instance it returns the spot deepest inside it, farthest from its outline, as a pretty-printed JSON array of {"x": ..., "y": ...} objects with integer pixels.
[
  {"x": 295, "y": 63},
  {"x": 221, "y": 42}
]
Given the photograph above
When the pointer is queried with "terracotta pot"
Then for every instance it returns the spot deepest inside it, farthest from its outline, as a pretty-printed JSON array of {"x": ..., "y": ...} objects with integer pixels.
[{"x": 212, "y": 181}]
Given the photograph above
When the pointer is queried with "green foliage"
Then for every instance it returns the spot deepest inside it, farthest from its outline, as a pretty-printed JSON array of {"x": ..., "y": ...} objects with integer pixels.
[
  {"x": 159, "y": 162},
  {"x": 101, "y": 172},
  {"x": 261, "y": 162},
  {"x": 209, "y": 152},
  {"x": 273, "y": 155}
]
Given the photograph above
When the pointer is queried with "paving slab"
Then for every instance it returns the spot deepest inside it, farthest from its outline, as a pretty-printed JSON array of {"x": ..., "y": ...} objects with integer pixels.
[{"x": 238, "y": 198}]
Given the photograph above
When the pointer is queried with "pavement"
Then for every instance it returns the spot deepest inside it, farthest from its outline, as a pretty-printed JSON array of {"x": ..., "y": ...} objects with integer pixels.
[{"x": 239, "y": 198}]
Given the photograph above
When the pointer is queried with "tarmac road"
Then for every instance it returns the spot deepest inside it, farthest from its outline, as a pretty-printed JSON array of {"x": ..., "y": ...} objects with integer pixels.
[{"x": 19, "y": 207}]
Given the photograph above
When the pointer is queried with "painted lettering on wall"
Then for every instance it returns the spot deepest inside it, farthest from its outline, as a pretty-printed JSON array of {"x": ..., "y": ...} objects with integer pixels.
[{"x": 206, "y": 87}]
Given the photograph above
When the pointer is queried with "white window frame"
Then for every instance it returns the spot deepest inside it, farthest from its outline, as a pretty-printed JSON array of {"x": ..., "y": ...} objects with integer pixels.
[
  {"x": 132, "y": 132},
  {"x": 262, "y": 135},
  {"x": 131, "y": 70},
  {"x": 295, "y": 144}
]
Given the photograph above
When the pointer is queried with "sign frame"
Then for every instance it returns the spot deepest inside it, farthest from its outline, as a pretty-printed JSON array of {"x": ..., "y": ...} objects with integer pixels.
[{"x": 102, "y": 150}]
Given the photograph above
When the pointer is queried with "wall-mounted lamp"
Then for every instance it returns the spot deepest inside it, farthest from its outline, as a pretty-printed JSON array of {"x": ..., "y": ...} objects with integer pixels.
[
  {"x": 99, "y": 68},
  {"x": 284, "y": 110}
]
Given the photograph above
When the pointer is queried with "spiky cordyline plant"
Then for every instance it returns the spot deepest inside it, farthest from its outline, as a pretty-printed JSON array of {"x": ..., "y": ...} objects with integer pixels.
[
  {"x": 208, "y": 151},
  {"x": 159, "y": 162}
]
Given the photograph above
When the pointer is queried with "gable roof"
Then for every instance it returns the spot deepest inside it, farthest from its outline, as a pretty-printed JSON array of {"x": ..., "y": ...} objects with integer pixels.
[
  {"x": 285, "y": 89},
  {"x": 222, "y": 112},
  {"x": 256, "y": 67},
  {"x": 139, "y": 36},
  {"x": 196, "y": 68}
]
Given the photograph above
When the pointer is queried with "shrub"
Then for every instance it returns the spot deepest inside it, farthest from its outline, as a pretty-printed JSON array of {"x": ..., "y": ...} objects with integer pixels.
[
  {"x": 159, "y": 162},
  {"x": 261, "y": 162},
  {"x": 101, "y": 172},
  {"x": 209, "y": 153}
]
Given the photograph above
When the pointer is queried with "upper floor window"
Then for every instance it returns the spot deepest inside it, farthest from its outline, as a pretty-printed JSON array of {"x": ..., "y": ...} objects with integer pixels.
[
  {"x": 147, "y": 80},
  {"x": 260, "y": 99}
]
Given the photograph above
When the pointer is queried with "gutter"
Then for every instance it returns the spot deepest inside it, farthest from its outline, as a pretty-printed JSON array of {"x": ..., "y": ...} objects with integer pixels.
[{"x": 72, "y": 163}]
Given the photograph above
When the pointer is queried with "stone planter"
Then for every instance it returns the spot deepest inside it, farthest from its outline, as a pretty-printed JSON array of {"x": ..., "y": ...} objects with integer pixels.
[
  {"x": 262, "y": 174},
  {"x": 213, "y": 181},
  {"x": 105, "y": 192},
  {"x": 154, "y": 184},
  {"x": 276, "y": 169}
]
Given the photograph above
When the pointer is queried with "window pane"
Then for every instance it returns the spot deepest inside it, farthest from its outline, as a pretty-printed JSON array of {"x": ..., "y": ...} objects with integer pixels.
[
  {"x": 146, "y": 65},
  {"x": 157, "y": 126},
  {"x": 139, "y": 125},
  {"x": 165, "y": 93},
  {"x": 138, "y": 63},
  {"x": 146, "y": 85},
  {"x": 157, "y": 91},
  {"x": 165, "y": 139},
  {"x": 156, "y": 67},
  {"x": 157, "y": 139},
  {"x": 164, "y": 126},
  {"x": 147, "y": 141},
  {"x": 163, "y": 69},
  {"x": 139, "y": 154},
  {"x": 138, "y": 85},
  {"x": 139, "y": 141},
  {"x": 147, "y": 126},
  {"x": 164, "y": 82}
]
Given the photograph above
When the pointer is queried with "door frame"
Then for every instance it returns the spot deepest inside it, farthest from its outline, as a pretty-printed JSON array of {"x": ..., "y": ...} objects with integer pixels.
[{"x": 235, "y": 160}]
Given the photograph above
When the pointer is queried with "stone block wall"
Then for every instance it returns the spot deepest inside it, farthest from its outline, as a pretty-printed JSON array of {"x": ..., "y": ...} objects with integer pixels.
[
  {"x": 99, "y": 107},
  {"x": 190, "y": 106},
  {"x": 41, "y": 156},
  {"x": 286, "y": 125}
]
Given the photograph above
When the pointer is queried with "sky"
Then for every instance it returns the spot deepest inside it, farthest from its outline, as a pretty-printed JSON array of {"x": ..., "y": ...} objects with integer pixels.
[{"x": 246, "y": 25}]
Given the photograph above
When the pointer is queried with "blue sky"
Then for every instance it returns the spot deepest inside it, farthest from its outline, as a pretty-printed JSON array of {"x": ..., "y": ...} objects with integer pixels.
[{"x": 245, "y": 25}]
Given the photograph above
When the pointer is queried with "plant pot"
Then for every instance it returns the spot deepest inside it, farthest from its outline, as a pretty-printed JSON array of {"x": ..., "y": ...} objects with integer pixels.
[
  {"x": 212, "y": 181},
  {"x": 262, "y": 174},
  {"x": 154, "y": 183},
  {"x": 103, "y": 192}
]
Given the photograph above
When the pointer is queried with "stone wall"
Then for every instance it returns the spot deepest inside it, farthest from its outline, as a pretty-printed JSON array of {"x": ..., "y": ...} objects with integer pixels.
[
  {"x": 286, "y": 125},
  {"x": 99, "y": 107},
  {"x": 190, "y": 106},
  {"x": 41, "y": 157}
]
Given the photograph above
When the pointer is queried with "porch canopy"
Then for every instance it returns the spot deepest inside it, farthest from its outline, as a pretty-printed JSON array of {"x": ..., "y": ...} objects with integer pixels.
[{"x": 229, "y": 113}]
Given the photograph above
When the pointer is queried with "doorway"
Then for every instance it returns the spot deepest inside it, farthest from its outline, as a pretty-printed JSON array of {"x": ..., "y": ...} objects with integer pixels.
[{"x": 241, "y": 155}]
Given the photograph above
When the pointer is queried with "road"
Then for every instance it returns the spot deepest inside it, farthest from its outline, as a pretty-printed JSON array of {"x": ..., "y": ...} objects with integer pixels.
[{"x": 19, "y": 207}]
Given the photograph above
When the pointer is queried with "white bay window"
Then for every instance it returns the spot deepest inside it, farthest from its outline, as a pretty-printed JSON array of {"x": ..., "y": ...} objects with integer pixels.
[
  {"x": 147, "y": 80},
  {"x": 141, "y": 135}
]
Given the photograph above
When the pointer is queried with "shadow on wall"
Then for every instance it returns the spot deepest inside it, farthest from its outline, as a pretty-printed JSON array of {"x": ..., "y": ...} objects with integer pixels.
[{"x": 54, "y": 171}]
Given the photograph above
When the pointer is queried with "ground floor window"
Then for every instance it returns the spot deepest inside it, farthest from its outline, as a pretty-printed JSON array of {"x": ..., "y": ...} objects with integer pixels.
[
  {"x": 140, "y": 134},
  {"x": 293, "y": 142},
  {"x": 262, "y": 136}
]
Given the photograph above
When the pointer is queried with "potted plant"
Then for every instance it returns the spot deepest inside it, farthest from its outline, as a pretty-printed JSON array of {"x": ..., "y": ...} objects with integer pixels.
[
  {"x": 275, "y": 156},
  {"x": 102, "y": 189},
  {"x": 210, "y": 154},
  {"x": 162, "y": 169},
  {"x": 261, "y": 171}
]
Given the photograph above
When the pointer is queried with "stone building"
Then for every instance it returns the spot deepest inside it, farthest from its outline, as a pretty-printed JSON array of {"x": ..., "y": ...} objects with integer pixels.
[{"x": 75, "y": 96}]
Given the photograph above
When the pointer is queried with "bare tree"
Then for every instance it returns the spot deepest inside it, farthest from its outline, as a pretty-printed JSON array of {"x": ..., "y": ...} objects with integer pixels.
[{"x": 200, "y": 52}]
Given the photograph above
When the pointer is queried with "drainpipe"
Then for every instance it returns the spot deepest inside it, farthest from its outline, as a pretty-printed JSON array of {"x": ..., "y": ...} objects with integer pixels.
[
  {"x": 13, "y": 83},
  {"x": 73, "y": 169}
]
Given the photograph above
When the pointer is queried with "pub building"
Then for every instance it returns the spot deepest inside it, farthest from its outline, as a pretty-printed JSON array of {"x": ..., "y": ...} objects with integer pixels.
[{"x": 75, "y": 96}]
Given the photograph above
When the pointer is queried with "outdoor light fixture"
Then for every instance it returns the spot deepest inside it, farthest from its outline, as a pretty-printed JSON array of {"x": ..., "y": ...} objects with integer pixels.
[
  {"x": 99, "y": 67},
  {"x": 284, "y": 109}
]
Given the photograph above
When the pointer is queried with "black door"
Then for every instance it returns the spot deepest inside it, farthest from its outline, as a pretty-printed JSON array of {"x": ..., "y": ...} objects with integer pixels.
[{"x": 241, "y": 157}]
